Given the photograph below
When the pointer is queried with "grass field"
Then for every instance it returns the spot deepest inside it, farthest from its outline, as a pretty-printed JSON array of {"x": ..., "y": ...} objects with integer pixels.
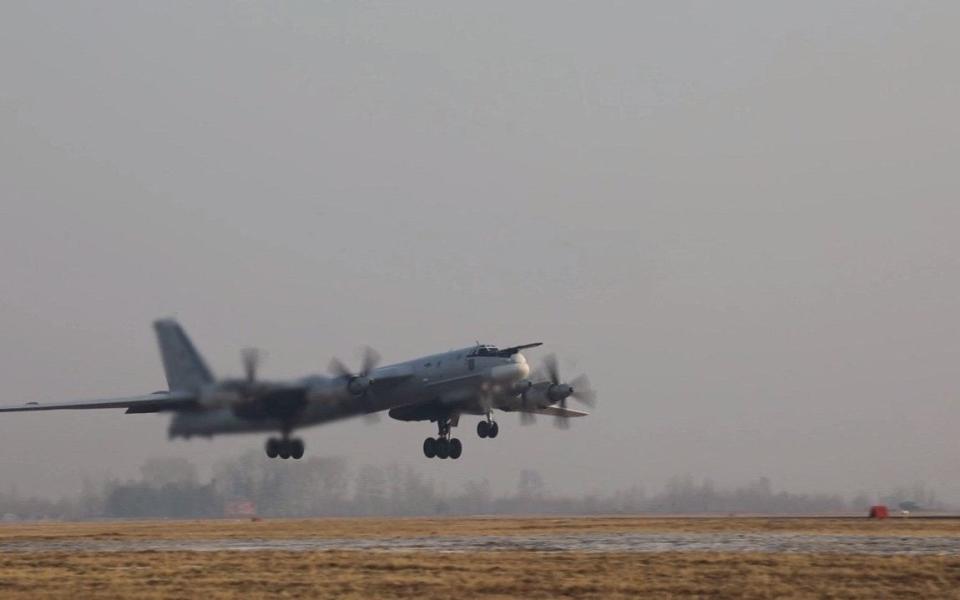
[{"x": 487, "y": 574}]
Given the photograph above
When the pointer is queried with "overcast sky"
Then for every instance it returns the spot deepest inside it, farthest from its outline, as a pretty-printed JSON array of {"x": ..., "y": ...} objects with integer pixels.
[{"x": 739, "y": 218}]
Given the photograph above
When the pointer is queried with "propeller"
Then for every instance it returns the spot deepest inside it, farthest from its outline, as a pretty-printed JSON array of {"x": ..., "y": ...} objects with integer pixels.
[
  {"x": 358, "y": 383},
  {"x": 578, "y": 389},
  {"x": 251, "y": 360},
  {"x": 522, "y": 388},
  {"x": 553, "y": 369},
  {"x": 582, "y": 390}
]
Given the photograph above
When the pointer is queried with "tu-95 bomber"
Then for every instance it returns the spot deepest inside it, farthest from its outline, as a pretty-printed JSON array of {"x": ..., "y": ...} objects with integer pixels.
[{"x": 476, "y": 380}]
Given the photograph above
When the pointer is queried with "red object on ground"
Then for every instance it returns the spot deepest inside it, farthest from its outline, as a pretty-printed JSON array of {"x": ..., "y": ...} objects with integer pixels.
[
  {"x": 240, "y": 508},
  {"x": 879, "y": 512}
]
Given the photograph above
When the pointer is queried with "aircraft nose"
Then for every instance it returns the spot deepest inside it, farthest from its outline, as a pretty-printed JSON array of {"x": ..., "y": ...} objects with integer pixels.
[
  {"x": 524, "y": 369},
  {"x": 514, "y": 371}
]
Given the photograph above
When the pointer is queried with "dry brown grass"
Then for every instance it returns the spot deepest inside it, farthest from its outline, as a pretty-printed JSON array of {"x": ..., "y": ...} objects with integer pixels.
[
  {"x": 488, "y": 574},
  {"x": 352, "y": 574},
  {"x": 417, "y": 527}
]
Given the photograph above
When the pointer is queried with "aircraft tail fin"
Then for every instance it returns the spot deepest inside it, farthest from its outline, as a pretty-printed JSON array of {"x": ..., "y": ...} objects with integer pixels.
[{"x": 183, "y": 365}]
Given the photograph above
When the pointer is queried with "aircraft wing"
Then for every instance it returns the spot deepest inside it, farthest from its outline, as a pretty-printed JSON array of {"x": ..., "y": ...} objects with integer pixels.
[
  {"x": 156, "y": 402},
  {"x": 556, "y": 411}
]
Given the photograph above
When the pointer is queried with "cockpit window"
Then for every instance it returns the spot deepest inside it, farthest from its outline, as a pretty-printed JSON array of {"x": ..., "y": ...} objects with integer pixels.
[{"x": 484, "y": 351}]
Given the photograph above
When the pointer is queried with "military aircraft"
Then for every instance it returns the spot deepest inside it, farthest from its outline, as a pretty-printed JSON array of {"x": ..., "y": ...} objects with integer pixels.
[{"x": 440, "y": 388}]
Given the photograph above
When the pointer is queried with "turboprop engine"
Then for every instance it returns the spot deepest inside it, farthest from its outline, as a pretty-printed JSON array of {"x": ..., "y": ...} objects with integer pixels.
[
  {"x": 538, "y": 395},
  {"x": 236, "y": 392},
  {"x": 542, "y": 394},
  {"x": 251, "y": 398},
  {"x": 357, "y": 384}
]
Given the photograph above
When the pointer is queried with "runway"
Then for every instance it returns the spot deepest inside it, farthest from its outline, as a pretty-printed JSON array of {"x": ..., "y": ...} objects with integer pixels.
[{"x": 583, "y": 542}]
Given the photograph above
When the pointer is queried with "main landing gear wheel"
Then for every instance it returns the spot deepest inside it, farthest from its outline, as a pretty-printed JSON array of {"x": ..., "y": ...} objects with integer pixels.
[
  {"x": 273, "y": 448},
  {"x": 429, "y": 447},
  {"x": 296, "y": 448},
  {"x": 285, "y": 448},
  {"x": 456, "y": 448},
  {"x": 443, "y": 448}
]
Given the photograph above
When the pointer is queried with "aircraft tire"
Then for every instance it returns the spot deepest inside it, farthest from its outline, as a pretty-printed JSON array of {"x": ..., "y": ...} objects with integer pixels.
[
  {"x": 483, "y": 429},
  {"x": 443, "y": 448},
  {"x": 296, "y": 448},
  {"x": 494, "y": 430},
  {"x": 273, "y": 448},
  {"x": 429, "y": 447},
  {"x": 284, "y": 450},
  {"x": 456, "y": 448}
]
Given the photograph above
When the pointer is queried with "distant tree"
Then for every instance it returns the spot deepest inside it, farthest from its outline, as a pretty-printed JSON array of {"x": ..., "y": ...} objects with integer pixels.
[
  {"x": 311, "y": 487},
  {"x": 530, "y": 486},
  {"x": 477, "y": 498},
  {"x": 408, "y": 492},
  {"x": 861, "y": 502},
  {"x": 161, "y": 471},
  {"x": 370, "y": 491}
]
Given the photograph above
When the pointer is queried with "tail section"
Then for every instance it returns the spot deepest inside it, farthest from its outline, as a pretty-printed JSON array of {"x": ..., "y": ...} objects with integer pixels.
[{"x": 184, "y": 367}]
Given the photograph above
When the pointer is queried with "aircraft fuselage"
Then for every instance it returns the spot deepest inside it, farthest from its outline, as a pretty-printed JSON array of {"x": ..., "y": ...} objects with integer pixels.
[{"x": 456, "y": 378}]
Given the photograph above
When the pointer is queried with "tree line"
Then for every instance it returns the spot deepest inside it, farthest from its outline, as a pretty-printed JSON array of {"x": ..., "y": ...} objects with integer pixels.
[{"x": 330, "y": 486}]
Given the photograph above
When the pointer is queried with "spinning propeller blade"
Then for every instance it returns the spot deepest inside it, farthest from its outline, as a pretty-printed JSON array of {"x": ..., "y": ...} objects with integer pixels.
[
  {"x": 578, "y": 389},
  {"x": 358, "y": 384},
  {"x": 251, "y": 360}
]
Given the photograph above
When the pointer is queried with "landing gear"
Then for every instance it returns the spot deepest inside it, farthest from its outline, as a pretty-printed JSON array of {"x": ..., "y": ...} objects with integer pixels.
[
  {"x": 296, "y": 448},
  {"x": 273, "y": 447},
  {"x": 488, "y": 429},
  {"x": 443, "y": 446},
  {"x": 456, "y": 448},
  {"x": 285, "y": 448}
]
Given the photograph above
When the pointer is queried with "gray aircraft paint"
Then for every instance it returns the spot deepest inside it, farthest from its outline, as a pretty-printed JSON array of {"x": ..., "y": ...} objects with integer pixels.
[{"x": 438, "y": 387}]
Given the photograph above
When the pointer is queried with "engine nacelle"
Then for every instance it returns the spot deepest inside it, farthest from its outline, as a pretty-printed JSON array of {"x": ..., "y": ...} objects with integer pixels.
[
  {"x": 537, "y": 395},
  {"x": 221, "y": 396},
  {"x": 544, "y": 394},
  {"x": 334, "y": 390},
  {"x": 358, "y": 385}
]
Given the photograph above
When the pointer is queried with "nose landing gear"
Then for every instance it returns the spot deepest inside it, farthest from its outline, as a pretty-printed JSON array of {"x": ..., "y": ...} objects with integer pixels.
[{"x": 488, "y": 428}]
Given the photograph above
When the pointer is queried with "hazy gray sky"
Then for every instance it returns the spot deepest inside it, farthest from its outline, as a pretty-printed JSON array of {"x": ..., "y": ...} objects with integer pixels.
[{"x": 739, "y": 218}]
